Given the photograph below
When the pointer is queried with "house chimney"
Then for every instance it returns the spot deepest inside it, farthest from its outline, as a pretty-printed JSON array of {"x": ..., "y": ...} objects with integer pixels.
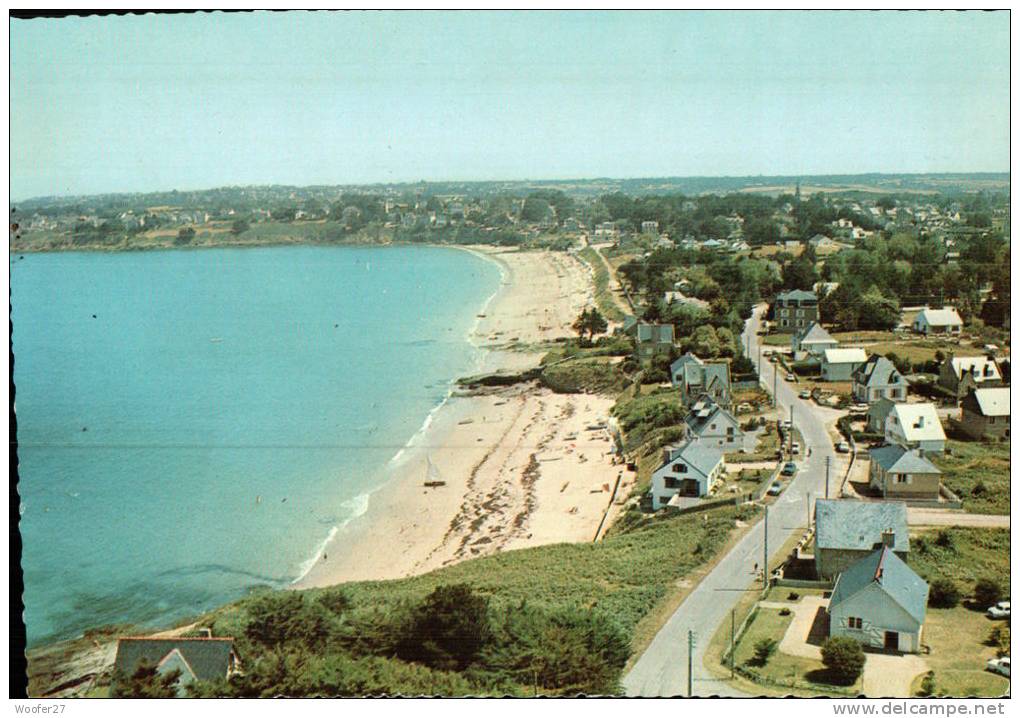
[
  {"x": 889, "y": 538},
  {"x": 920, "y": 422}
]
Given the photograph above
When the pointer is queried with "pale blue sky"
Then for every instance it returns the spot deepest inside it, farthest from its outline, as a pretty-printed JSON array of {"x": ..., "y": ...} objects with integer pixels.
[{"x": 192, "y": 101}]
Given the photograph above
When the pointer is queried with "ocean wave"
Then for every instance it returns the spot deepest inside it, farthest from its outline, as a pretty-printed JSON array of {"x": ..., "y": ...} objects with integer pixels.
[{"x": 354, "y": 507}]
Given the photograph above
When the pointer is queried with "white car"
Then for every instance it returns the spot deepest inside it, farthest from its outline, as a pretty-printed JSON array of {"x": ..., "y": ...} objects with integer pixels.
[
  {"x": 775, "y": 489},
  {"x": 999, "y": 610},
  {"x": 999, "y": 665},
  {"x": 805, "y": 394},
  {"x": 843, "y": 447},
  {"x": 795, "y": 449}
]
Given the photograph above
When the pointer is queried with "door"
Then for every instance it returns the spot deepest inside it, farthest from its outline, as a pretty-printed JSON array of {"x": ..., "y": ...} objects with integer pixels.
[{"x": 892, "y": 640}]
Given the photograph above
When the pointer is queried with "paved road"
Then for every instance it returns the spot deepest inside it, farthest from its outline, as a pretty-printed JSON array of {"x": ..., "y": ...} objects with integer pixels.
[{"x": 662, "y": 669}]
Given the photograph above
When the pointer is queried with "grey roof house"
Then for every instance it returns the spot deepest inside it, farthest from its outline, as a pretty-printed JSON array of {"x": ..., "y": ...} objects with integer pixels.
[
  {"x": 686, "y": 470},
  {"x": 714, "y": 425},
  {"x": 881, "y": 602},
  {"x": 198, "y": 659},
  {"x": 650, "y": 339},
  {"x": 694, "y": 377},
  {"x": 877, "y": 379},
  {"x": 848, "y": 530},
  {"x": 899, "y": 473},
  {"x": 811, "y": 341}
]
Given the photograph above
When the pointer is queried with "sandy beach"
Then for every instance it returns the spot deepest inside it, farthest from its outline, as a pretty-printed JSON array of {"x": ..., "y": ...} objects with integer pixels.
[{"x": 522, "y": 466}]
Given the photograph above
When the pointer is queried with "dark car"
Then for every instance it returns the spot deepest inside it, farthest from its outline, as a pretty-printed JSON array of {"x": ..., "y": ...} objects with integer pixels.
[{"x": 789, "y": 469}]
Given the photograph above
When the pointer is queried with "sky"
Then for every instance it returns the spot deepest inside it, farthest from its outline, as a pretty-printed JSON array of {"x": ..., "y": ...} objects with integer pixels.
[{"x": 160, "y": 102}]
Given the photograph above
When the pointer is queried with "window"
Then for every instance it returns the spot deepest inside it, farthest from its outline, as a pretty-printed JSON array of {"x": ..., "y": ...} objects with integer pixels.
[
  {"x": 672, "y": 482},
  {"x": 855, "y": 622},
  {"x": 680, "y": 468},
  {"x": 901, "y": 479},
  {"x": 712, "y": 426},
  {"x": 784, "y": 323}
]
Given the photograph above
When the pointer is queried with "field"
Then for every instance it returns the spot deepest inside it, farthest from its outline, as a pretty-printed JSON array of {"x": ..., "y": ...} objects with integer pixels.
[
  {"x": 957, "y": 635},
  {"x": 957, "y": 638},
  {"x": 978, "y": 473},
  {"x": 965, "y": 555}
]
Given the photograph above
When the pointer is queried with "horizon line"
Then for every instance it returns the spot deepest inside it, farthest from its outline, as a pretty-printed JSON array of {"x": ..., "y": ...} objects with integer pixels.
[{"x": 382, "y": 183}]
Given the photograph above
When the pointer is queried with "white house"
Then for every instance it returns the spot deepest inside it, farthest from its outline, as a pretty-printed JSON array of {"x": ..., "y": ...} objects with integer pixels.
[
  {"x": 915, "y": 426},
  {"x": 938, "y": 321},
  {"x": 687, "y": 470},
  {"x": 840, "y": 364},
  {"x": 713, "y": 425},
  {"x": 881, "y": 602}
]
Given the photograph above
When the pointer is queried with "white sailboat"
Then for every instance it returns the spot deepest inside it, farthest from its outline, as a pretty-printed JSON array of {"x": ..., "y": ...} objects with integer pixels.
[{"x": 432, "y": 476}]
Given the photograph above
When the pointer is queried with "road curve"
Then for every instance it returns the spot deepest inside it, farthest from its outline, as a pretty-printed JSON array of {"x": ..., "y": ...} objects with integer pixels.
[{"x": 662, "y": 669}]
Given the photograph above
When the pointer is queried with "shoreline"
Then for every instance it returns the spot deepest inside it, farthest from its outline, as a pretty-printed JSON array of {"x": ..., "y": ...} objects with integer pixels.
[{"x": 520, "y": 465}]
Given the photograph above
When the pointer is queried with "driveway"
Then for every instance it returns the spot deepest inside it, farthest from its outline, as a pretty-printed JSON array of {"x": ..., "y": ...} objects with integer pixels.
[
  {"x": 946, "y": 517},
  {"x": 808, "y": 613},
  {"x": 885, "y": 674}
]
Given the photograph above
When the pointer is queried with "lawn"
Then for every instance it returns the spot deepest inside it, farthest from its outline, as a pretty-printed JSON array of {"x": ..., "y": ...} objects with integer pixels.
[
  {"x": 958, "y": 653},
  {"x": 978, "y": 473},
  {"x": 786, "y": 673},
  {"x": 776, "y": 340},
  {"x": 921, "y": 350}
]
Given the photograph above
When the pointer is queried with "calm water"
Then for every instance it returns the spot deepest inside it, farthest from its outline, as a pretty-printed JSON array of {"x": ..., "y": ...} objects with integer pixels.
[{"x": 196, "y": 423}]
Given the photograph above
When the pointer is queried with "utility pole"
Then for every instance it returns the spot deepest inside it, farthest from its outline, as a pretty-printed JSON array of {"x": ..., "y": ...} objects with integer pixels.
[
  {"x": 690, "y": 663},
  {"x": 791, "y": 429},
  {"x": 765, "y": 565},
  {"x": 733, "y": 618},
  {"x": 775, "y": 386},
  {"x": 809, "y": 509},
  {"x": 828, "y": 460}
]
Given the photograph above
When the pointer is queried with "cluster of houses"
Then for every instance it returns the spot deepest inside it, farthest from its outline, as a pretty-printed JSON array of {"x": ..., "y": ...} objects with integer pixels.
[{"x": 691, "y": 468}]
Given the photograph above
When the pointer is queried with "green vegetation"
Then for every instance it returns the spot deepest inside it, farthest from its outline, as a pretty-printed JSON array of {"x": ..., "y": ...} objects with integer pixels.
[
  {"x": 594, "y": 375},
  {"x": 843, "y": 658},
  {"x": 779, "y": 672},
  {"x": 604, "y": 299},
  {"x": 961, "y": 554},
  {"x": 559, "y": 620},
  {"x": 977, "y": 472},
  {"x": 589, "y": 323},
  {"x": 147, "y": 682},
  {"x": 640, "y": 415}
]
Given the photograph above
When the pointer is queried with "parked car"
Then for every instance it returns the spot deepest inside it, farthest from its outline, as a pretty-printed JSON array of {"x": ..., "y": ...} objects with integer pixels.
[
  {"x": 999, "y": 610},
  {"x": 790, "y": 377},
  {"x": 999, "y": 665},
  {"x": 843, "y": 447},
  {"x": 806, "y": 394},
  {"x": 790, "y": 469},
  {"x": 773, "y": 358},
  {"x": 795, "y": 448},
  {"x": 775, "y": 489}
]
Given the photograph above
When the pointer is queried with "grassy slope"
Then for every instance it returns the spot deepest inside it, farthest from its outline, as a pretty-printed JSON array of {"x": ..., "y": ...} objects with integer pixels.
[
  {"x": 624, "y": 576},
  {"x": 972, "y": 463},
  {"x": 603, "y": 295}
]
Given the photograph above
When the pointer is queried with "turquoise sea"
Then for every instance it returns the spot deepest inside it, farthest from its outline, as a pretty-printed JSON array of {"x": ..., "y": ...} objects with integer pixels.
[{"x": 193, "y": 424}]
